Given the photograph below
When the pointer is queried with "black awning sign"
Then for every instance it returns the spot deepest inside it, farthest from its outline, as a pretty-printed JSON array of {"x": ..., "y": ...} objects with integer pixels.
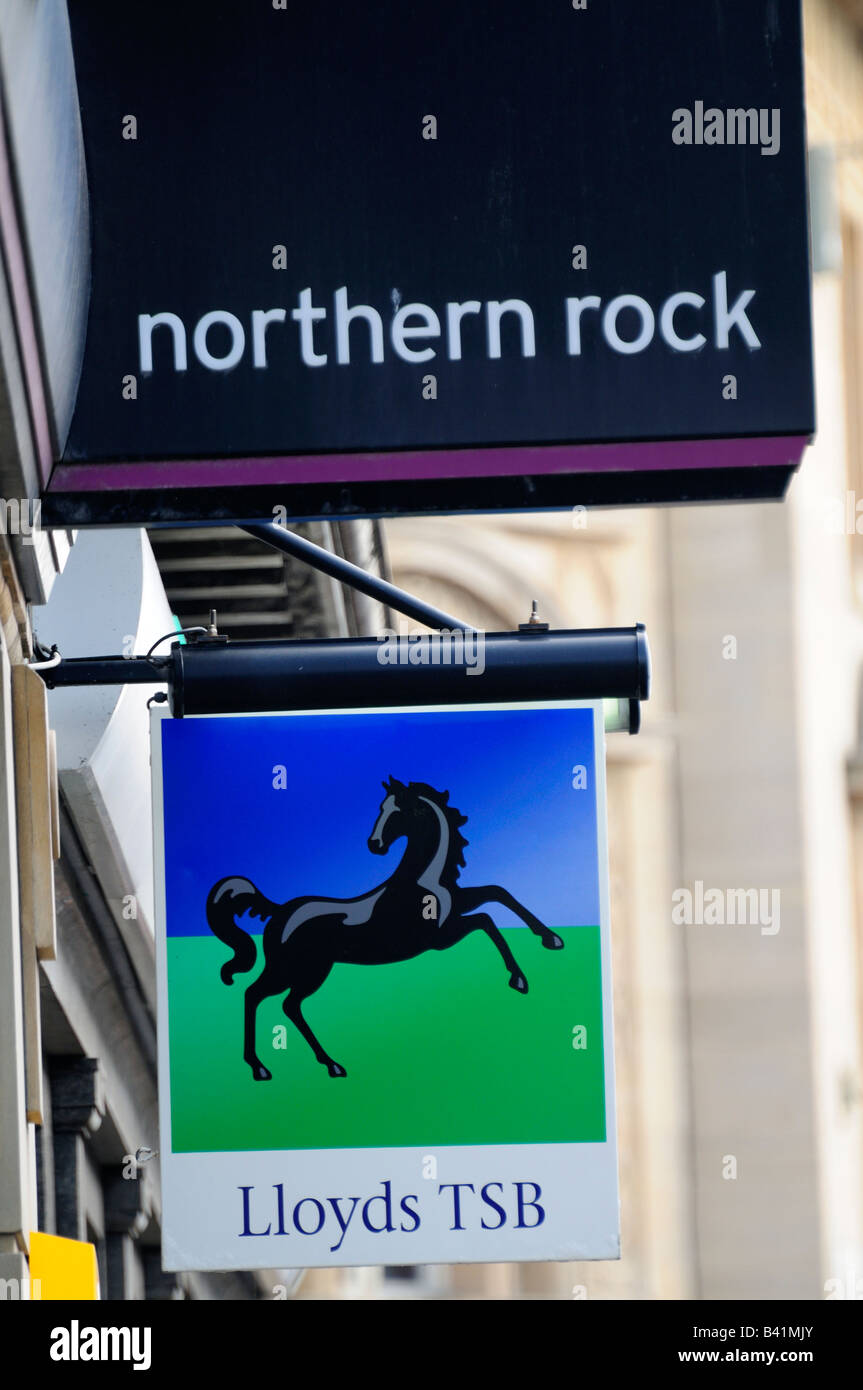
[{"x": 519, "y": 257}]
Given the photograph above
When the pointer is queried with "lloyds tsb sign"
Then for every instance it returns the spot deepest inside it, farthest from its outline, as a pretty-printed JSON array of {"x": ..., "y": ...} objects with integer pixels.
[
  {"x": 532, "y": 258},
  {"x": 385, "y": 1028}
]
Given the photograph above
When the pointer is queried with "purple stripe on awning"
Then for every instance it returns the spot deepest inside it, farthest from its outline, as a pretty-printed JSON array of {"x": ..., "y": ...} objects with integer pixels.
[{"x": 766, "y": 452}]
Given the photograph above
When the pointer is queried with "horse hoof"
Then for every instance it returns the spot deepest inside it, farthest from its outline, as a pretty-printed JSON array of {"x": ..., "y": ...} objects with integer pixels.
[
  {"x": 552, "y": 942},
  {"x": 518, "y": 982},
  {"x": 335, "y": 1070},
  {"x": 261, "y": 1074}
]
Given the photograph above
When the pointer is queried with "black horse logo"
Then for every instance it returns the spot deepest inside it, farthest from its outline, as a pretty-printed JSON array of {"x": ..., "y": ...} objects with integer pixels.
[{"x": 420, "y": 907}]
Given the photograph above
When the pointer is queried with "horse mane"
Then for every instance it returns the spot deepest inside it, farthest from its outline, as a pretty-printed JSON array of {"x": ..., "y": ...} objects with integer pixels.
[{"x": 453, "y": 817}]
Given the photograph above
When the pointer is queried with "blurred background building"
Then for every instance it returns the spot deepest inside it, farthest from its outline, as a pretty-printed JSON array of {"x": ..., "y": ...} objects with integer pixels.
[
  {"x": 738, "y": 1053},
  {"x": 738, "y": 1050}
]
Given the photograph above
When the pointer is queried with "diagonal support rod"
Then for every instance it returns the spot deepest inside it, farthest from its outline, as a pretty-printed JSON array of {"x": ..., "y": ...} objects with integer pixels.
[{"x": 337, "y": 568}]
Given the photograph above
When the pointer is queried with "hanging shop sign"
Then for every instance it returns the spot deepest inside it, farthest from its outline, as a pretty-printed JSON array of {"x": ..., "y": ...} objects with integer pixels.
[
  {"x": 385, "y": 1029},
  {"x": 519, "y": 257}
]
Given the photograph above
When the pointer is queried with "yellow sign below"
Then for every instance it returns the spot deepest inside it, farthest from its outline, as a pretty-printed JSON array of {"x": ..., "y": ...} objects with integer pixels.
[{"x": 62, "y": 1269}]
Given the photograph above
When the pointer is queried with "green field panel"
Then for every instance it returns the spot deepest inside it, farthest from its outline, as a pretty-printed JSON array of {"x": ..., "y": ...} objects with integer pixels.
[{"x": 438, "y": 1051}]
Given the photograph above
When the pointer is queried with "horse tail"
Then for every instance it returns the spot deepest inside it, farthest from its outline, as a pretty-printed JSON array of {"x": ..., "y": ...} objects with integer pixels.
[{"x": 229, "y": 898}]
